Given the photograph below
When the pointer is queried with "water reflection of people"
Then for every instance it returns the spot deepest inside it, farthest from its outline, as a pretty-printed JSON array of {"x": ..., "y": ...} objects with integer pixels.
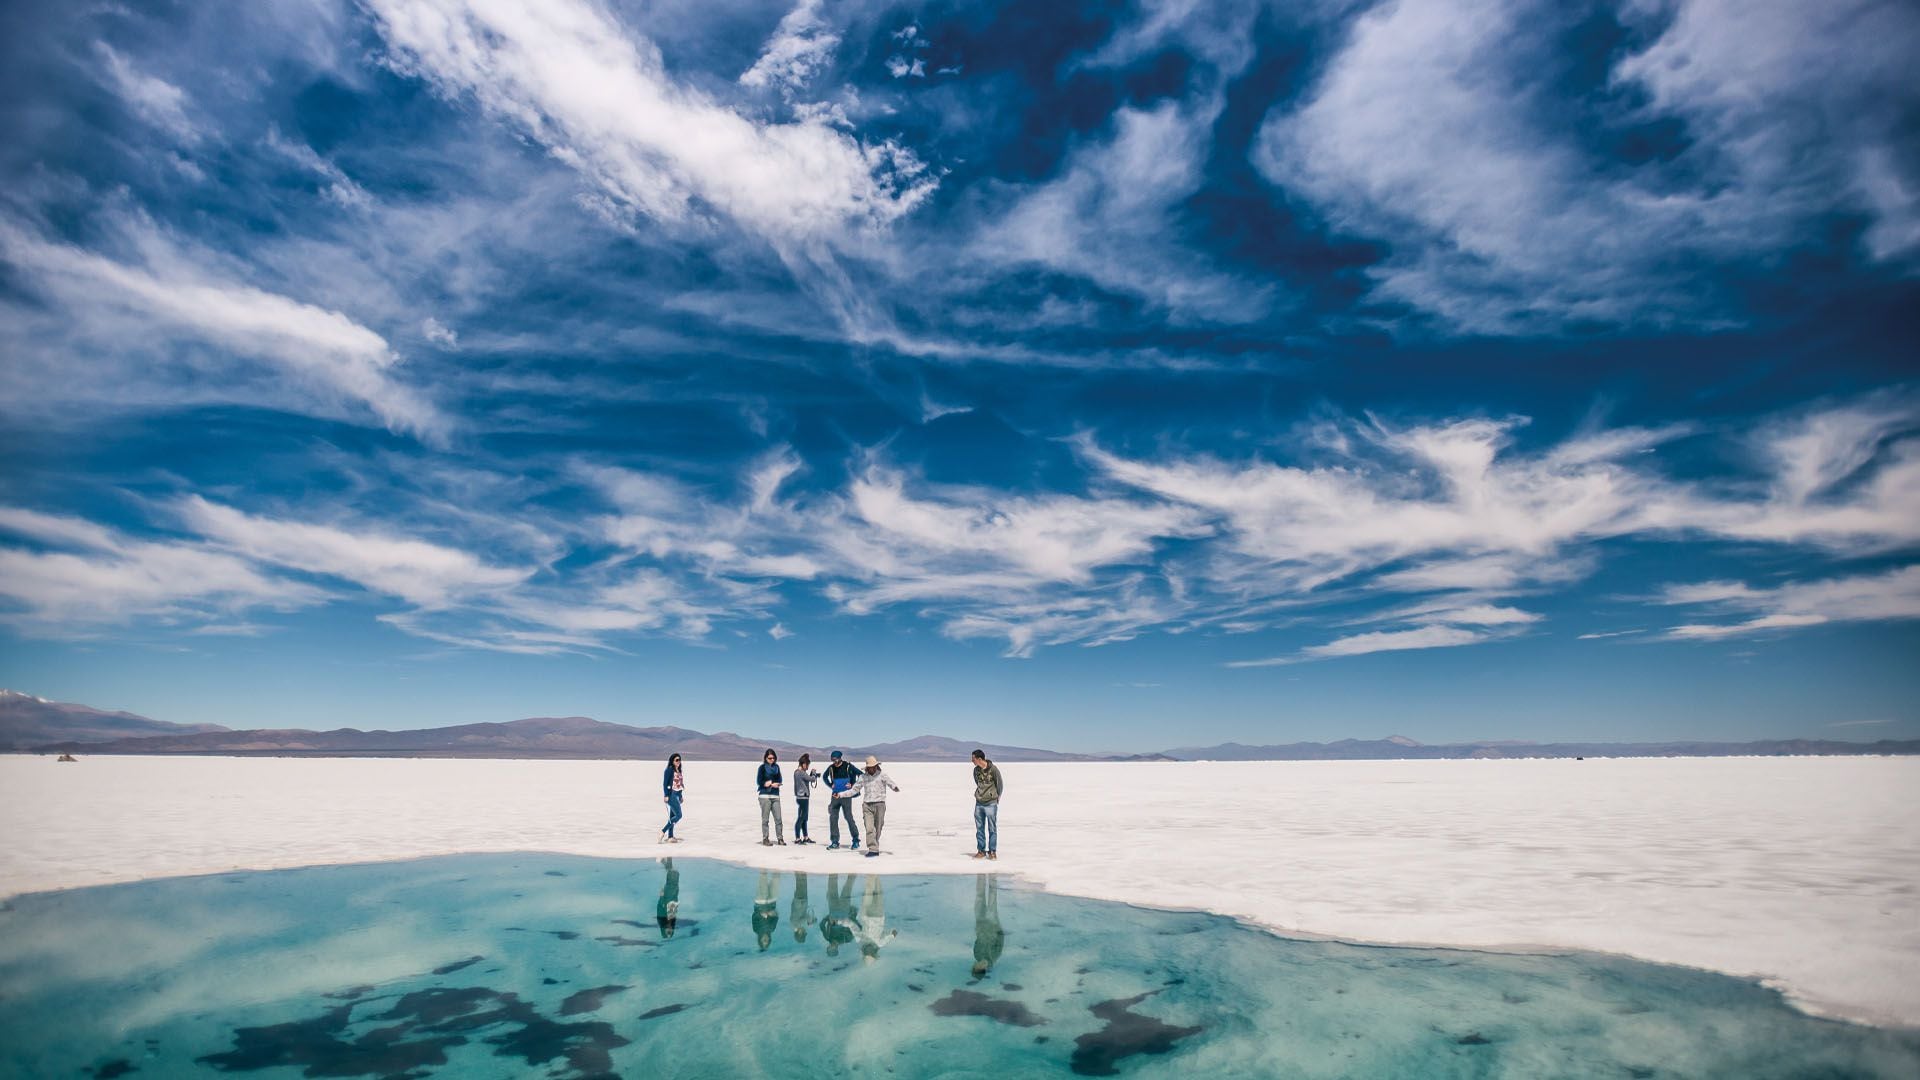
[
  {"x": 667, "y": 912},
  {"x": 798, "y": 913},
  {"x": 766, "y": 908},
  {"x": 872, "y": 925},
  {"x": 837, "y": 928},
  {"x": 989, "y": 940}
]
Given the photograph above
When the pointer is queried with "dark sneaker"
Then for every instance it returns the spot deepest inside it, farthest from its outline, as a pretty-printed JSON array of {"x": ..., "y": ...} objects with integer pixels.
[
  {"x": 782, "y": 843},
  {"x": 871, "y": 854},
  {"x": 766, "y": 843},
  {"x": 833, "y": 847}
]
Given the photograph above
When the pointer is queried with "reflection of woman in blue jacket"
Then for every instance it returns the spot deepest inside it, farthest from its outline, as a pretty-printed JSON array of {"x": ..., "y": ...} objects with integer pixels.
[{"x": 672, "y": 786}]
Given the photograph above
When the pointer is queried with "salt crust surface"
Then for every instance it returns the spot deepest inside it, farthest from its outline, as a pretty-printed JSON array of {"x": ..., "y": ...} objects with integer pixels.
[{"x": 1803, "y": 872}]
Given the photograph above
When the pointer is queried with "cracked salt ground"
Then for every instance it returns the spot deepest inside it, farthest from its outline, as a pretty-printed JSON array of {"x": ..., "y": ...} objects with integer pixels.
[{"x": 517, "y": 965}]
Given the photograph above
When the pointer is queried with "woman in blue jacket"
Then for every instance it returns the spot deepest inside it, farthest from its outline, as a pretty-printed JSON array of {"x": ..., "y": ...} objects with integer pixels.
[
  {"x": 672, "y": 786},
  {"x": 767, "y": 782}
]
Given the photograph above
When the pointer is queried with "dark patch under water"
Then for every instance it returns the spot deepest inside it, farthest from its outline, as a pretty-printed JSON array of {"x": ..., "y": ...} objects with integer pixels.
[
  {"x": 583, "y": 1001},
  {"x": 664, "y": 1010},
  {"x": 968, "y": 1003},
  {"x": 448, "y": 969},
  {"x": 417, "y": 1032},
  {"x": 117, "y": 1067},
  {"x": 1127, "y": 1033}
]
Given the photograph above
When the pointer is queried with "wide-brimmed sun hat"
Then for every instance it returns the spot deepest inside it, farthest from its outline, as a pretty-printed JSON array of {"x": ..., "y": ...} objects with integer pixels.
[{"x": 872, "y": 761}]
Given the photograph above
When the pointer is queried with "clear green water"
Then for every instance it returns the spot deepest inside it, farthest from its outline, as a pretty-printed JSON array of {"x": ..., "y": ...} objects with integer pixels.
[{"x": 534, "y": 965}]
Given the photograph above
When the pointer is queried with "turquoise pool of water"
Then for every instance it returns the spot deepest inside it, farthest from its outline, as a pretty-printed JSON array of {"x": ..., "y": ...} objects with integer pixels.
[{"x": 548, "y": 965}]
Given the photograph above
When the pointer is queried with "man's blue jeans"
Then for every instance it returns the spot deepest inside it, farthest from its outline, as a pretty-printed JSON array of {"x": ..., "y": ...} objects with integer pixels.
[{"x": 986, "y": 826}]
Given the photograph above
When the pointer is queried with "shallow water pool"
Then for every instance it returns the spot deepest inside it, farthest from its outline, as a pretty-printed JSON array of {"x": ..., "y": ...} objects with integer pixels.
[{"x": 538, "y": 965}]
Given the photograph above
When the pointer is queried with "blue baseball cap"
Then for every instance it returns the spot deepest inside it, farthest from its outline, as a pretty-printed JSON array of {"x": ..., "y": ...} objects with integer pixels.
[{"x": 835, "y": 754}]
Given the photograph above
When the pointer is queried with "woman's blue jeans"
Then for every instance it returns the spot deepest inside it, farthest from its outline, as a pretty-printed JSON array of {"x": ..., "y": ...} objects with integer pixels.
[{"x": 673, "y": 811}]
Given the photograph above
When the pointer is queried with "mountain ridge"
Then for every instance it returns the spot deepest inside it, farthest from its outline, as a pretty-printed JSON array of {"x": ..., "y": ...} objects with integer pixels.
[{"x": 32, "y": 724}]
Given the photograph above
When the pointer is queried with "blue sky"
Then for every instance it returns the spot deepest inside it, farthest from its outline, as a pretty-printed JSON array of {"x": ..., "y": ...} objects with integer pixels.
[{"x": 1116, "y": 376}]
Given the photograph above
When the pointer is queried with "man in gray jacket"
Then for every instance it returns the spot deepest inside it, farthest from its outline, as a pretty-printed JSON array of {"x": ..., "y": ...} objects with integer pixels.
[{"x": 987, "y": 786}]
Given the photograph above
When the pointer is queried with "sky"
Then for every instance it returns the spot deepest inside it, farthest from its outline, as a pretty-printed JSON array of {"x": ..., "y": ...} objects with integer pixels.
[{"x": 1092, "y": 376}]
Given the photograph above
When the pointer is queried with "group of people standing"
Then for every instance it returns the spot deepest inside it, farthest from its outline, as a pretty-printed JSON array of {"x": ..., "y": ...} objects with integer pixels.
[{"x": 843, "y": 783}]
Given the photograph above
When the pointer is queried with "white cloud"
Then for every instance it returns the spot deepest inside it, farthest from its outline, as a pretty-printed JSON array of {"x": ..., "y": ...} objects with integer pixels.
[
  {"x": 1420, "y": 637},
  {"x": 1108, "y": 217},
  {"x": 1394, "y": 494},
  {"x": 325, "y": 351},
  {"x": 1425, "y": 131},
  {"x": 340, "y": 188},
  {"x": 801, "y": 46},
  {"x": 1809, "y": 103},
  {"x": 157, "y": 101},
  {"x": 1884, "y": 597},
  {"x": 1440, "y": 612},
  {"x": 438, "y": 333},
  {"x": 779, "y": 632},
  {"x": 84, "y": 577},
  {"x": 416, "y": 571},
  {"x": 1425, "y": 536},
  {"x": 600, "y": 99}
]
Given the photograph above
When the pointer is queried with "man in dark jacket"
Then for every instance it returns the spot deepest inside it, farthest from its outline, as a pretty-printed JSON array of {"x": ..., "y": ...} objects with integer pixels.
[
  {"x": 987, "y": 786},
  {"x": 839, "y": 779}
]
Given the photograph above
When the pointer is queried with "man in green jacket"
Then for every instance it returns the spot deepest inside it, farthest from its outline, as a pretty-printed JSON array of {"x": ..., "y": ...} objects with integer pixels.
[{"x": 987, "y": 786}]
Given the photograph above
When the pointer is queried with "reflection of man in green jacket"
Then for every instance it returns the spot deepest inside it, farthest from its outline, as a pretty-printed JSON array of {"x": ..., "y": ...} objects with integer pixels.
[{"x": 989, "y": 940}]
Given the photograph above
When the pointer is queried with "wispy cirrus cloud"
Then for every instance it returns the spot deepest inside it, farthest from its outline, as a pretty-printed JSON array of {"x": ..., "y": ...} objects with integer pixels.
[
  {"x": 153, "y": 99},
  {"x": 1419, "y": 637},
  {"x": 1109, "y": 217},
  {"x": 168, "y": 301},
  {"x": 78, "y": 578},
  {"x": 1882, "y": 597},
  {"x": 416, "y": 571},
  {"x": 801, "y": 46},
  {"x": 1432, "y": 129},
  {"x": 600, "y": 98},
  {"x": 1416, "y": 535}
]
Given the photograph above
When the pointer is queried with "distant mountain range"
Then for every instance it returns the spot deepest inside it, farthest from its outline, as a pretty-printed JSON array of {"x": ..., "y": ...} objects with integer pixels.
[
  {"x": 34, "y": 724},
  {"x": 1401, "y": 747},
  {"x": 30, "y": 723},
  {"x": 27, "y": 721}
]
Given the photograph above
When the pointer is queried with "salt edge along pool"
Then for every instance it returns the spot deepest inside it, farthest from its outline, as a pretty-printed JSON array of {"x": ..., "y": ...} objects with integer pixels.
[{"x": 531, "y": 964}]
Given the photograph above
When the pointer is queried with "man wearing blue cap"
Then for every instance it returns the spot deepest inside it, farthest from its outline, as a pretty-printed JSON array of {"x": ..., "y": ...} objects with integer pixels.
[{"x": 839, "y": 779}]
